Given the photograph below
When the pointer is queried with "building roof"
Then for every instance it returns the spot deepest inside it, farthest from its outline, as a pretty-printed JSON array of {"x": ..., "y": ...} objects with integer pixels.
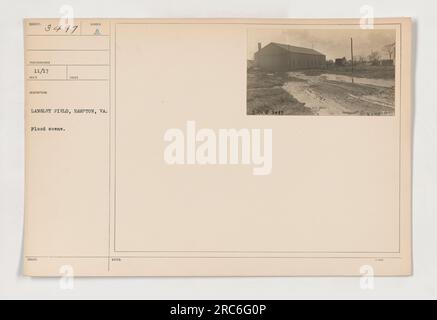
[{"x": 297, "y": 49}]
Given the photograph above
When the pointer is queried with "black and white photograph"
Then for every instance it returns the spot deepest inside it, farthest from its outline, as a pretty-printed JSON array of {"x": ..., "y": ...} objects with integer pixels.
[{"x": 315, "y": 72}]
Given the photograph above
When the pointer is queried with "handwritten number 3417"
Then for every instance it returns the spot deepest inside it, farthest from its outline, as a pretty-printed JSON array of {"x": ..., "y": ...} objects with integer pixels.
[{"x": 67, "y": 28}]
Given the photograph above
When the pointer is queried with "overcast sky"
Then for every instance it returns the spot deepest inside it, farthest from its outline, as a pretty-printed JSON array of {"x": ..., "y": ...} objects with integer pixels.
[{"x": 332, "y": 43}]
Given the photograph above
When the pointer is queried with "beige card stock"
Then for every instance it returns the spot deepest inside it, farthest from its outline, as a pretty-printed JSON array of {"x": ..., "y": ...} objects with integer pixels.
[{"x": 217, "y": 147}]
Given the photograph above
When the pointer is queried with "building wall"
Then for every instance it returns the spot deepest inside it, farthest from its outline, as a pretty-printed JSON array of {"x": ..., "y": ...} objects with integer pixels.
[
  {"x": 273, "y": 58},
  {"x": 305, "y": 61}
]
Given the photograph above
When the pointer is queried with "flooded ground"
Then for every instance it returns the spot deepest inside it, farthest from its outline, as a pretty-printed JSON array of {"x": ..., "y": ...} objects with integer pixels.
[
  {"x": 331, "y": 94},
  {"x": 349, "y": 79}
]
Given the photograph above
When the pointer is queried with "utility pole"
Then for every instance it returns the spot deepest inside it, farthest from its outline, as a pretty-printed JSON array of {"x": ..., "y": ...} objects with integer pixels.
[{"x": 352, "y": 55}]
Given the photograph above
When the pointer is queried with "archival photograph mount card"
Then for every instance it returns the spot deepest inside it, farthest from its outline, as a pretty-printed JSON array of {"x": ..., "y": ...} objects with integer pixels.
[{"x": 217, "y": 147}]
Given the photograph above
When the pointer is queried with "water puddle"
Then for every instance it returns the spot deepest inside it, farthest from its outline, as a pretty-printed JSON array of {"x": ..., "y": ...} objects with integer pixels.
[
  {"x": 321, "y": 93},
  {"x": 366, "y": 81}
]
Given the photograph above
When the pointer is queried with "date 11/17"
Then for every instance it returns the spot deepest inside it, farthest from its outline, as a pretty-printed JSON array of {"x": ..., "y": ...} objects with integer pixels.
[{"x": 61, "y": 28}]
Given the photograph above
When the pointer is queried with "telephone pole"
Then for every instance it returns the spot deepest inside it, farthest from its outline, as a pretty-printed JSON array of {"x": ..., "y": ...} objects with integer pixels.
[{"x": 352, "y": 56}]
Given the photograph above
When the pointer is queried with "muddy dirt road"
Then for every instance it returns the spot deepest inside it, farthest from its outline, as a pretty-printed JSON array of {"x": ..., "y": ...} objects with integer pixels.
[{"x": 329, "y": 94}]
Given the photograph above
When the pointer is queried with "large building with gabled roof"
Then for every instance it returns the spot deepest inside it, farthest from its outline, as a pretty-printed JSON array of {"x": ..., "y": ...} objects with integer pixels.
[{"x": 284, "y": 57}]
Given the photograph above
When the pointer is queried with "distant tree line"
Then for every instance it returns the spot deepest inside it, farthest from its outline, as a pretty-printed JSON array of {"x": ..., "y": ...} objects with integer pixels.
[{"x": 385, "y": 56}]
